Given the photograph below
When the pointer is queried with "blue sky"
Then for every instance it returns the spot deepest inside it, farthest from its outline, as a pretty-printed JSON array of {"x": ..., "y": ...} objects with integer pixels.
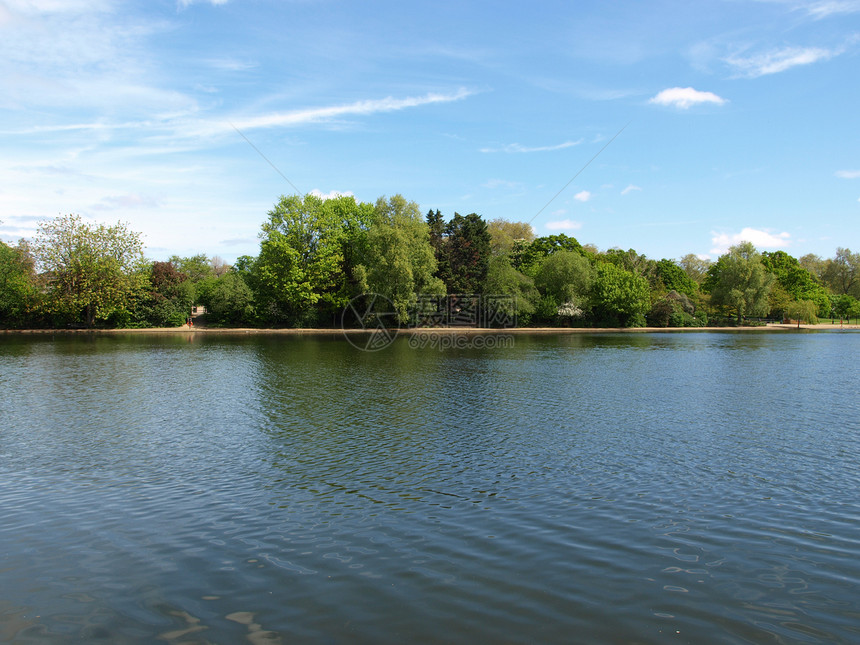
[{"x": 741, "y": 117}]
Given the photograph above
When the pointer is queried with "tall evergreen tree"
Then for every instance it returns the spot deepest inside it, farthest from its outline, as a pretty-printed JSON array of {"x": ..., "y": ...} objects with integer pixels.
[{"x": 465, "y": 254}]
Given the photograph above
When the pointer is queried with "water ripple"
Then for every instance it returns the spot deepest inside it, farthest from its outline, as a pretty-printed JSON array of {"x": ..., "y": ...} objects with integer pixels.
[{"x": 615, "y": 487}]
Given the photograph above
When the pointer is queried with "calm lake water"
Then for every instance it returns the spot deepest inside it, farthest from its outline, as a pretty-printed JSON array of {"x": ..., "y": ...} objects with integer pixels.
[{"x": 617, "y": 488}]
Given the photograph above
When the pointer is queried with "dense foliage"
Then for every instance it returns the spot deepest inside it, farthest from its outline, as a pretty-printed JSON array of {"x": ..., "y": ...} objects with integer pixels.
[{"x": 318, "y": 255}]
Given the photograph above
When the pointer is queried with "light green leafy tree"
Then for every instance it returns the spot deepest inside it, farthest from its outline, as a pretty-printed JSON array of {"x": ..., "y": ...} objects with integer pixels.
[
  {"x": 504, "y": 280},
  {"x": 564, "y": 279},
  {"x": 674, "y": 278},
  {"x": 527, "y": 257},
  {"x": 695, "y": 267},
  {"x": 503, "y": 234},
  {"x": 796, "y": 280},
  {"x": 739, "y": 282},
  {"x": 93, "y": 271},
  {"x": 300, "y": 274},
  {"x": 842, "y": 273},
  {"x": 846, "y": 306},
  {"x": 195, "y": 267},
  {"x": 230, "y": 301},
  {"x": 779, "y": 300},
  {"x": 619, "y": 296},
  {"x": 399, "y": 262},
  {"x": 803, "y": 311},
  {"x": 20, "y": 296},
  {"x": 815, "y": 265}
]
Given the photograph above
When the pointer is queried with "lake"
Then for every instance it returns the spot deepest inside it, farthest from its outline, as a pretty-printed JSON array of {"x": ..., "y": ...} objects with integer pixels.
[{"x": 615, "y": 488}]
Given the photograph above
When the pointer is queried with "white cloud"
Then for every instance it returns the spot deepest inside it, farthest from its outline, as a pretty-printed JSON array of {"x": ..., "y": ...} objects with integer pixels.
[
  {"x": 359, "y": 108},
  {"x": 630, "y": 189},
  {"x": 332, "y": 194},
  {"x": 827, "y": 8},
  {"x": 34, "y": 7},
  {"x": 685, "y": 97},
  {"x": 184, "y": 125},
  {"x": 819, "y": 9},
  {"x": 848, "y": 174},
  {"x": 230, "y": 64},
  {"x": 517, "y": 148},
  {"x": 186, "y": 3},
  {"x": 778, "y": 60},
  {"x": 564, "y": 225},
  {"x": 501, "y": 183},
  {"x": 582, "y": 196},
  {"x": 760, "y": 238},
  {"x": 122, "y": 202}
]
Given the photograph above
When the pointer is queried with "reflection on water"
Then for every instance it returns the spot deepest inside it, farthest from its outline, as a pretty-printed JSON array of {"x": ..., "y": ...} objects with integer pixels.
[{"x": 612, "y": 488}]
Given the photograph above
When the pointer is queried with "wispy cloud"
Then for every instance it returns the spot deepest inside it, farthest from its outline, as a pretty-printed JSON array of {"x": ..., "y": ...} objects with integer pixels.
[
  {"x": 778, "y": 60},
  {"x": 630, "y": 189},
  {"x": 123, "y": 202},
  {"x": 517, "y": 148},
  {"x": 188, "y": 126},
  {"x": 685, "y": 97},
  {"x": 34, "y": 7},
  {"x": 230, "y": 64},
  {"x": 492, "y": 184},
  {"x": 564, "y": 225},
  {"x": 819, "y": 9},
  {"x": 760, "y": 238},
  {"x": 186, "y": 3},
  {"x": 582, "y": 196},
  {"x": 358, "y": 108},
  {"x": 827, "y": 8},
  {"x": 848, "y": 174}
]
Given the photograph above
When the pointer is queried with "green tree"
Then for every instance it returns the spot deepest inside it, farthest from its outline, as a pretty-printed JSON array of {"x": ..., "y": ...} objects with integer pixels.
[
  {"x": 797, "y": 281},
  {"x": 779, "y": 300},
  {"x": 803, "y": 311},
  {"x": 399, "y": 262},
  {"x": 815, "y": 265},
  {"x": 465, "y": 254},
  {"x": 695, "y": 267},
  {"x": 846, "y": 306},
  {"x": 675, "y": 310},
  {"x": 167, "y": 300},
  {"x": 300, "y": 274},
  {"x": 619, "y": 296},
  {"x": 842, "y": 273},
  {"x": 528, "y": 257},
  {"x": 504, "y": 233},
  {"x": 230, "y": 301},
  {"x": 19, "y": 291},
  {"x": 739, "y": 282},
  {"x": 564, "y": 278},
  {"x": 633, "y": 262},
  {"x": 504, "y": 280},
  {"x": 195, "y": 268},
  {"x": 93, "y": 271},
  {"x": 674, "y": 278},
  {"x": 853, "y": 311}
]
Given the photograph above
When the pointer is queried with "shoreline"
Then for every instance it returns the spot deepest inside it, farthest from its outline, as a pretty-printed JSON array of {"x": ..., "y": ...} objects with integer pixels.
[{"x": 777, "y": 327}]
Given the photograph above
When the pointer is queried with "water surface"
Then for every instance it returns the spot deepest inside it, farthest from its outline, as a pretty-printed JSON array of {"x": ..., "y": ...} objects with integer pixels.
[{"x": 698, "y": 487}]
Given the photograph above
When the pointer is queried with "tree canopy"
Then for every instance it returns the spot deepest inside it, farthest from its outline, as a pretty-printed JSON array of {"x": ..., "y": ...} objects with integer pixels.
[
  {"x": 316, "y": 255},
  {"x": 739, "y": 282},
  {"x": 93, "y": 271}
]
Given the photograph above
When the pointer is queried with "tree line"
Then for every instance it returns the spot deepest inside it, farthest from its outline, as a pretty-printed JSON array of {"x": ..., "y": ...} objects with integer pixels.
[{"x": 318, "y": 255}]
